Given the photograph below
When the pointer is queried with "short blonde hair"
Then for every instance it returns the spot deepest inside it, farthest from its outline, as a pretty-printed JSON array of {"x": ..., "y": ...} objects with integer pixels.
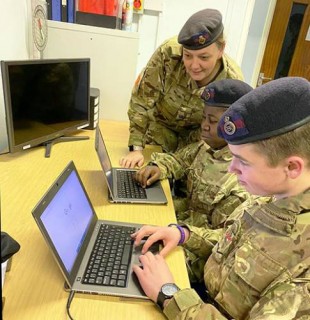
[{"x": 221, "y": 41}]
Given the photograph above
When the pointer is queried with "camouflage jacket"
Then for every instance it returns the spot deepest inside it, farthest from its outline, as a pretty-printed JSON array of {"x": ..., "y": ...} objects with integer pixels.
[
  {"x": 260, "y": 269},
  {"x": 212, "y": 192},
  {"x": 166, "y": 94}
]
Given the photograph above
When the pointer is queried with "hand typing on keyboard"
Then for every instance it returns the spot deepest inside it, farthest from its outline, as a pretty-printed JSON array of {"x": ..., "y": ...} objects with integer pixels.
[
  {"x": 147, "y": 176},
  {"x": 152, "y": 274},
  {"x": 154, "y": 248},
  {"x": 170, "y": 238}
]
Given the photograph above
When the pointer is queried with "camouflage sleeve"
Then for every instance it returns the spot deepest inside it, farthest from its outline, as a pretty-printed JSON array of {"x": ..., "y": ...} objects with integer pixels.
[
  {"x": 175, "y": 165},
  {"x": 186, "y": 304},
  {"x": 288, "y": 301},
  {"x": 146, "y": 92},
  {"x": 288, "y": 298},
  {"x": 202, "y": 240}
]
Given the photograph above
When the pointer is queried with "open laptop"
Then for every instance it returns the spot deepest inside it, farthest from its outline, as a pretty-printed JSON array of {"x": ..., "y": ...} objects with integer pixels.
[
  {"x": 69, "y": 224},
  {"x": 126, "y": 191}
]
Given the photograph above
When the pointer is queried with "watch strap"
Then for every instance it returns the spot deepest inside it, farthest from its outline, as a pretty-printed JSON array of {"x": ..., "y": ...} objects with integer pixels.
[
  {"x": 135, "y": 148},
  {"x": 161, "y": 299}
]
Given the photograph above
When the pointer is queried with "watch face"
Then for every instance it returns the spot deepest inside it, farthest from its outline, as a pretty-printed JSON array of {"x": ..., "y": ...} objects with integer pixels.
[{"x": 169, "y": 289}]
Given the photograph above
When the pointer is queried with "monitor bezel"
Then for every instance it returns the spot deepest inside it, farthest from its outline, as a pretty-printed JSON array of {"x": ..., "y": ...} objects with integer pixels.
[{"x": 5, "y": 64}]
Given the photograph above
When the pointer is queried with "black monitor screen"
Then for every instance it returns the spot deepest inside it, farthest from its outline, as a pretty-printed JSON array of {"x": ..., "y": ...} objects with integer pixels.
[{"x": 45, "y": 99}]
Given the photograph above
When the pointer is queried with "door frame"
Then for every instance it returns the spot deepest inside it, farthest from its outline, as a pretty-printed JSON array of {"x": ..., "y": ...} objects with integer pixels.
[{"x": 252, "y": 75}]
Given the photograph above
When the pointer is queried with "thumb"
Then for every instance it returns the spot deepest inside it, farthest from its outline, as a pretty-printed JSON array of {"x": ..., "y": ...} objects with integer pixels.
[{"x": 166, "y": 249}]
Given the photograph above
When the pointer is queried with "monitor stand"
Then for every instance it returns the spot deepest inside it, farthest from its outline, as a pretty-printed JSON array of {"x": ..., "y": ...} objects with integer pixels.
[{"x": 48, "y": 144}]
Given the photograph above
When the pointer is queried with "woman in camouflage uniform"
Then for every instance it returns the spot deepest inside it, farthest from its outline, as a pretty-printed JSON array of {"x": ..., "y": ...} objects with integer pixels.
[
  {"x": 165, "y": 106},
  {"x": 260, "y": 267}
]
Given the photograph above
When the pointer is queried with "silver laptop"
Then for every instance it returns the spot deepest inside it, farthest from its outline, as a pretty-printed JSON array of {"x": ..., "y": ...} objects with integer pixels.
[
  {"x": 121, "y": 184},
  {"x": 95, "y": 256}
]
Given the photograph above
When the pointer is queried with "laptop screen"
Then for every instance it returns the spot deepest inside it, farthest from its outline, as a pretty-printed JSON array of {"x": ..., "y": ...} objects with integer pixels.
[{"x": 67, "y": 219}]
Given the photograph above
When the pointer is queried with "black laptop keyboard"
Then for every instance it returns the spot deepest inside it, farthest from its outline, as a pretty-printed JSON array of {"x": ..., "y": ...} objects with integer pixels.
[
  {"x": 127, "y": 187},
  {"x": 110, "y": 258}
]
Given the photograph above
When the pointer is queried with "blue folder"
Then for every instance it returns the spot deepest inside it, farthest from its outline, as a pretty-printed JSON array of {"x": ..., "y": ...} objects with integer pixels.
[{"x": 56, "y": 10}]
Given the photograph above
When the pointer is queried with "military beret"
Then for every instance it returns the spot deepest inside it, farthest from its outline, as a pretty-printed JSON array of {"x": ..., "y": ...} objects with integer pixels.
[
  {"x": 224, "y": 93},
  {"x": 201, "y": 29},
  {"x": 277, "y": 107}
]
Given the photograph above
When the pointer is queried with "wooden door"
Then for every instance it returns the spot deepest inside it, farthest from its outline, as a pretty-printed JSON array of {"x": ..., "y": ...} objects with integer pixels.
[{"x": 287, "y": 50}]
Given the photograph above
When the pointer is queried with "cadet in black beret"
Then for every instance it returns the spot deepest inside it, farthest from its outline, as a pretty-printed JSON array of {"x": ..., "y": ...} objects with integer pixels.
[{"x": 165, "y": 106}]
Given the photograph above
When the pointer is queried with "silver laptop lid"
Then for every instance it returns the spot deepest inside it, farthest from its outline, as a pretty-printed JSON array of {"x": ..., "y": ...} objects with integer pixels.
[
  {"x": 66, "y": 219},
  {"x": 104, "y": 159}
]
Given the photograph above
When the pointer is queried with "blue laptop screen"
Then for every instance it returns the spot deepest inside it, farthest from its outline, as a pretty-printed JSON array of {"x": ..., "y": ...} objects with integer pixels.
[{"x": 67, "y": 218}]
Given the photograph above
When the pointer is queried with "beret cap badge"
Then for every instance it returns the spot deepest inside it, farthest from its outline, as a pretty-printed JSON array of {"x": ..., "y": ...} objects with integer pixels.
[
  {"x": 229, "y": 127},
  {"x": 202, "y": 39},
  {"x": 199, "y": 39},
  {"x": 206, "y": 94}
]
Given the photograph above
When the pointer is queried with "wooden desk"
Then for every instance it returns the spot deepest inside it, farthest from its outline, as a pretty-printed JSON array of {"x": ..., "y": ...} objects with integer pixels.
[{"x": 33, "y": 288}]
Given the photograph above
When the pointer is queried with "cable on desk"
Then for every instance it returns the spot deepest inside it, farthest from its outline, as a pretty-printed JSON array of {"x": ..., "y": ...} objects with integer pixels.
[{"x": 70, "y": 298}]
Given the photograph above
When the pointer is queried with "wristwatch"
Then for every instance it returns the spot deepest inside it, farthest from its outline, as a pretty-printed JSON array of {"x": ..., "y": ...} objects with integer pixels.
[
  {"x": 166, "y": 292},
  {"x": 135, "y": 148}
]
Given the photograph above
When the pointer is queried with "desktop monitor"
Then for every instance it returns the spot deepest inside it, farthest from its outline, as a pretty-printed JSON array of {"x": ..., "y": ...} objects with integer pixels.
[{"x": 45, "y": 100}]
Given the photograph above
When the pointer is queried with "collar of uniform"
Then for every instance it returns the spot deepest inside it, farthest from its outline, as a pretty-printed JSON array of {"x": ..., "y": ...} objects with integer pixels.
[
  {"x": 222, "y": 154},
  {"x": 192, "y": 84},
  {"x": 281, "y": 215},
  {"x": 225, "y": 73}
]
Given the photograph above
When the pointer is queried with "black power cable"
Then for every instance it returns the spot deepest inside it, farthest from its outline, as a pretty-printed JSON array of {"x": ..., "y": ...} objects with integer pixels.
[{"x": 70, "y": 298}]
